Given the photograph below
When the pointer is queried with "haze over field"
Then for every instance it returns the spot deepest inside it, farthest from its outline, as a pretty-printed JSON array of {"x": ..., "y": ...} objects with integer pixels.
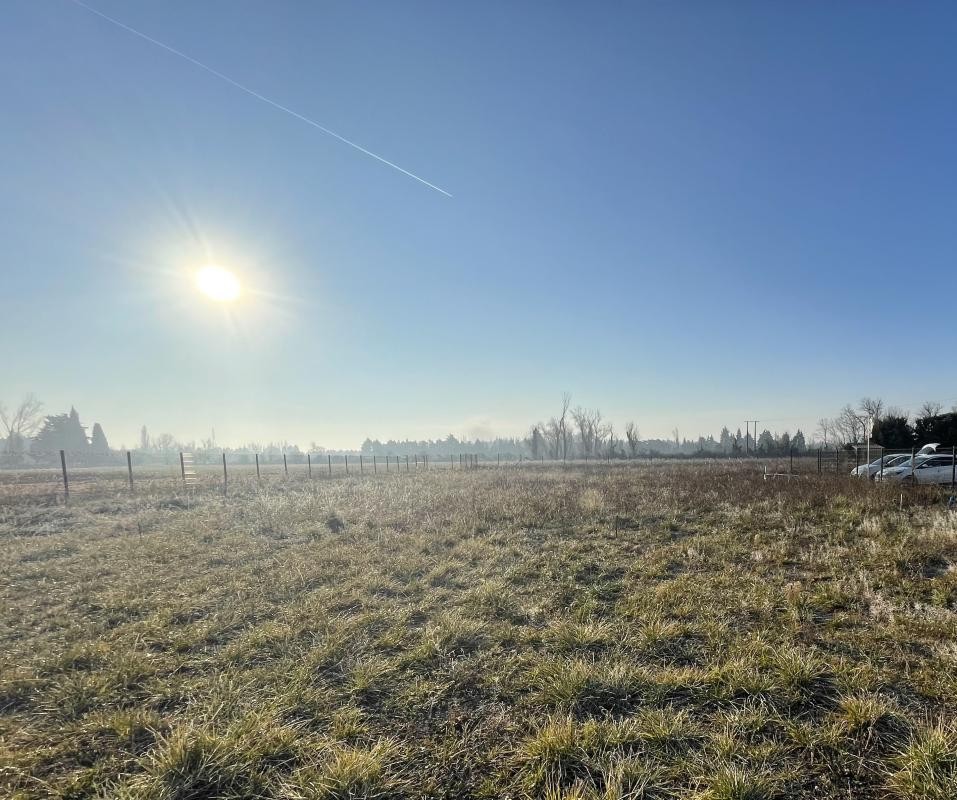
[{"x": 687, "y": 215}]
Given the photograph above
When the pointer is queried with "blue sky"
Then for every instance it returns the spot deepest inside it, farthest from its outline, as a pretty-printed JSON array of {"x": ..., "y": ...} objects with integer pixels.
[{"x": 688, "y": 214}]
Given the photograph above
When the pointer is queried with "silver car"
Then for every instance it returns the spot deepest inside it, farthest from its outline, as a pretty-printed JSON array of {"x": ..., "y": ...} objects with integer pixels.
[
  {"x": 886, "y": 461},
  {"x": 934, "y": 468}
]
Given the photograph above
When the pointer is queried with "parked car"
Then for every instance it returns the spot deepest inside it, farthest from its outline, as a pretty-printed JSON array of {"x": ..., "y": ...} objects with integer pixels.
[
  {"x": 886, "y": 461},
  {"x": 934, "y": 468},
  {"x": 927, "y": 449}
]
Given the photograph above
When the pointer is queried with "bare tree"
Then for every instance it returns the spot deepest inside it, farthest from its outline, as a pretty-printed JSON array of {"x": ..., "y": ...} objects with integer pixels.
[
  {"x": 849, "y": 426},
  {"x": 930, "y": 408},
  {"x": 553, "y": 434},
  {"x": 20, "y": 423},
  {"x": 606, "y": 432},
  {"x": 825, "y": 428},
  {"x": 563, "y": 424},
  {"x": 872, "y": 407},
  {"x": 609, "y": 440},
  {"x": 588, "y": 422},
  {"x": 24, "y": 419},
  {"x": 631, "y": 435}
]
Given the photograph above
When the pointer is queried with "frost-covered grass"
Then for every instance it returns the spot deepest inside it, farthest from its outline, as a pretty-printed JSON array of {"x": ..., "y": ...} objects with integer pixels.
[{"x": 687, "y": 631}]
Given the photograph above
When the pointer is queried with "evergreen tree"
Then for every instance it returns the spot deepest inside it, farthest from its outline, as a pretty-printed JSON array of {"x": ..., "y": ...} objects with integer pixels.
[
  {"x": 98, "y": 443},
  {"x": 894, "y": 431},
  {"x": 798, "y": 442},
  {"x": 61, "y": 432},
  {"x": 725, "y": 440}
]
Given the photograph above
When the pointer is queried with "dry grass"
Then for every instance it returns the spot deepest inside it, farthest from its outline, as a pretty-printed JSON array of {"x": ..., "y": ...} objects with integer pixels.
[{"x": 676, "y": 631}]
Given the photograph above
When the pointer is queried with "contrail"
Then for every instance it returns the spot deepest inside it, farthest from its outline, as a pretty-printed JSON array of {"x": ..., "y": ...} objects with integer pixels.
[{"x": 256, "y": 94}]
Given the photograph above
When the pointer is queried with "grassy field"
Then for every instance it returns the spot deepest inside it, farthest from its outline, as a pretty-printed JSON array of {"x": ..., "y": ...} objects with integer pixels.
[{"x": 684, "y": 631}]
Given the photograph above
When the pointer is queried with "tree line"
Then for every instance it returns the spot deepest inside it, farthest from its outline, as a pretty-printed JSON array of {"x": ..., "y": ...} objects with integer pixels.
[
  {"x": 30, "y": 437},
  {"x": 890, "y": 426}
]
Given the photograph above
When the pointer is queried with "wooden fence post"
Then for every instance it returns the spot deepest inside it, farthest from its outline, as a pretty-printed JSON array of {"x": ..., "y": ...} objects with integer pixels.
[
  {"x": 66, "y": 480},
  {"x": 258, "y": 476},
  {"x": 309, "y": 463},
  {"x": 285, "y": 465},
  {"x": 225, "y": 478},
  {"x": 182, "y": 467},
  {"x": 129, "y": 467}
]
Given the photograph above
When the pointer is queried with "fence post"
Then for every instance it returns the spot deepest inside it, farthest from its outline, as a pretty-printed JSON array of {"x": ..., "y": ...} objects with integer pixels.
[
  {"x": 285, "y": 465},
  {"x": 258, "y": 476},
  {"x": 451, "y": 461},
  {"x": 346, "y": 457},
  {"x": 791, "y": 465},
  {"x": 406, "y": 463},
  {"x": 129, "y": 467},
  {"x": 329, "y": 457},
  {"x": 416, "y": 457},
  {"x": 375, "y": 465},
  {"x": 66, "y": 481},
  {"x": 225, "y": 478},
  {"x": 361, "y": 468},
  {"x": 309, "y": 463},
  {"x": 182, "y": 467},
  {"x": 387, "y": 462}
]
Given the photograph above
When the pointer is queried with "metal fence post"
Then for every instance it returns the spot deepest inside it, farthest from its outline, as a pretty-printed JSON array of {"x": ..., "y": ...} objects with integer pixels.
[
  {"x": 182, "y": 467},
  {"x": 129, "y": 467},
  {"x": 285, "y": 465},
  {"x": 329, "y": 457},
  {"x": 375, "y": 465},
  {"x": 361, "y": 468},
  {"x": 309, "y": 463},
  {"x": 225, "y": 478},
  {"x": 258, "y": 476},
  {"x": 66, "y": 480}
]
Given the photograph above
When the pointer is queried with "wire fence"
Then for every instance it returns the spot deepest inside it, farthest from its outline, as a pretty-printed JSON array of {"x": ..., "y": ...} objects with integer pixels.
[{"x": 232, "y": 473}]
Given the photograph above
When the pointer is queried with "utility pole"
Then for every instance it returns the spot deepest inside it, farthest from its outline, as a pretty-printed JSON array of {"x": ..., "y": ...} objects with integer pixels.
[{"x": 754, "y": 433}]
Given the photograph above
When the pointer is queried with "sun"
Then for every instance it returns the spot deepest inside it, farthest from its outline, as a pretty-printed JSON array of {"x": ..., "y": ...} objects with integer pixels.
[{"x": 218, "y": 284}]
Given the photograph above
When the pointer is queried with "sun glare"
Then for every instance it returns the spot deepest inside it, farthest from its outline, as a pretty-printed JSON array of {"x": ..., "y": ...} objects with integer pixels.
[{"x": 218, "y": 284}]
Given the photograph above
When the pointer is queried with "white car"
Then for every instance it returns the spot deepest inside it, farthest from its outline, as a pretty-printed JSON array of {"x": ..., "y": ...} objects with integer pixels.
[
  {"x": 934, "y": 468},
  {"x": 887, "y": 461}
]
